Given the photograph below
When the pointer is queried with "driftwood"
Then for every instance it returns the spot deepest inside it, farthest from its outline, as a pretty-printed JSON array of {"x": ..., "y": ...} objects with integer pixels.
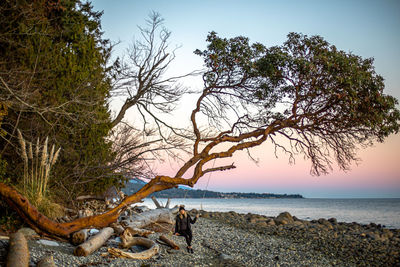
[
  {"x": 152, "y": 249},
  {"x": 128, "y": 235},
  {"x": 140, "y": 220},
  {"x": 94, "y": 242},
  {"x": 168, "y": 203},
  {"x": 47, "y": 261},
  {"x": 90, "y": 197},
  {"x": 18, "y": 252},
  {"x": 169, "y": 242},
  {"x": 158, "y": 205},
  {"x": 79, "y": 237},
  {"x": 118, "y": 229}
]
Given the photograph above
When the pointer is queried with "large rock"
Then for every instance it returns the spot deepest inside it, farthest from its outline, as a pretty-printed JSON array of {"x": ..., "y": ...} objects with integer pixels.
[
  {"x": 325, "y": 223},
  {"x": 284, "y": 218},
  {"x": 333, "y": 221}
]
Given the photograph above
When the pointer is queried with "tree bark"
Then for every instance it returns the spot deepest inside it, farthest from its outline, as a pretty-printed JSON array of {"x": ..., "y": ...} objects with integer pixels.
[
  {"x": 170, "y": 243},
  {"x": 152, "y": 249},
  {"x": 18, "y": 252},
  {"x": 94, "y": 242},
  {"x": 43, "y": 225}
]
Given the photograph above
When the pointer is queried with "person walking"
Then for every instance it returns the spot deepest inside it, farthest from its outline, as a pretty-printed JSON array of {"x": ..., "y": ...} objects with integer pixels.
[{"x": 183, "y": 227}]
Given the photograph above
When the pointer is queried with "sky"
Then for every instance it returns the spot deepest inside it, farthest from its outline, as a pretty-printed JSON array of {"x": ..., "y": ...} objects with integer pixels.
[{"x": 366, "y": 28}]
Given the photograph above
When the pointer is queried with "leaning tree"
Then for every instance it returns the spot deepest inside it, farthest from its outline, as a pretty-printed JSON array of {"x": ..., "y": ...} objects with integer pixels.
[{"x": 306, "y": 97}]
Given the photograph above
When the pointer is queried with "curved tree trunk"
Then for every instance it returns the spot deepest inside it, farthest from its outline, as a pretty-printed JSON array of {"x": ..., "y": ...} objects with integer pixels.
[{"x": 45, "y": 226}]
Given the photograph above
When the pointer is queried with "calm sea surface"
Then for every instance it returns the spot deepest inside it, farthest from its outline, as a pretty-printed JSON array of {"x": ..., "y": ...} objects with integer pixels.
[{"x": 379, "y": 211}]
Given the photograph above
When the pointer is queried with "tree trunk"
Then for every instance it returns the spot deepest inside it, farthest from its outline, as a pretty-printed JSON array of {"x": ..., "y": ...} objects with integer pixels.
[
  {"x": 170, "y": 243},
  {"x": 152, "y": 249},
  {"x": 94, "y": 242},
  {"x": 43, "y": 225},
  {"x": 18, "y": 252}
]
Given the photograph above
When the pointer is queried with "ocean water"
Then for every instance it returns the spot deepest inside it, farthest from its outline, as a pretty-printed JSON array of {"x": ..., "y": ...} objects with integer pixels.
[{"x": 380, "y": 211}]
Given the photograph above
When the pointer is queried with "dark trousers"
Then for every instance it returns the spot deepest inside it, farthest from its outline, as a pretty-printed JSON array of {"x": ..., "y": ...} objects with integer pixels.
[{"x": 188, "y": 236}]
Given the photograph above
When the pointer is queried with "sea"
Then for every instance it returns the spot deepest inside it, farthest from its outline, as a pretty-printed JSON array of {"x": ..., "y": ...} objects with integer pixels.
[{"x": 384, "y": 211}]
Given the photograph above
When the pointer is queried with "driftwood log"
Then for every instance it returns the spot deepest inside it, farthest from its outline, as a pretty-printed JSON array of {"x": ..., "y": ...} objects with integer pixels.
[
  {"x": 140, "y": 220},
  {"x": 169, "y": 242},
  {"x": 79, "y": 237},
  {"x": 152, "y": 249},
  {"x": 118, "y": 229},
  {"x": 18, "y": 252},
  {"x": 47, "y": 261},
  {"x": 94, "y": 242},
  {"x": 168, "y": 203},
  {"x": 129, "y": 234},
  {"x": 158, "y": 205}
]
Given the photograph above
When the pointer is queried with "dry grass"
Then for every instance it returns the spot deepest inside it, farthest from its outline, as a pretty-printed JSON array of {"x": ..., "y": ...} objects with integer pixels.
[{"x": 37, "y": 168}]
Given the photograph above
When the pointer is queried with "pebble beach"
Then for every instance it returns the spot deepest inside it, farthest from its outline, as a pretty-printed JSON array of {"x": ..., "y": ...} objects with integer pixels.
[{"x": 232, "y": 239}]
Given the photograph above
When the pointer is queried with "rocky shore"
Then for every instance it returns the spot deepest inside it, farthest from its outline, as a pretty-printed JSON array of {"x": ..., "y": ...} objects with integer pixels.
[{"x": 232, "y": 239}]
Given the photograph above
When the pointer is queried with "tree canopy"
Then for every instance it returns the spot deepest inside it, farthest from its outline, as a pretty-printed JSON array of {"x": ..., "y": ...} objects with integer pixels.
[{"x": 323, "y": 101}]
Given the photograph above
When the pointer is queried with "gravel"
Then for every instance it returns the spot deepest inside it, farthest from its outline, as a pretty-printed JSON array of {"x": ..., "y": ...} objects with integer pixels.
[{"x": 231, "y": 239}]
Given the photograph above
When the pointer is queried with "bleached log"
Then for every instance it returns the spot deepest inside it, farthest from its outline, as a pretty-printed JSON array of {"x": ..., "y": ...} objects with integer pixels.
[
  {"x": 158, "y": 205},
  {"x": 90, "y": 197},
  {"x": 152, "y": 249},
  {"x": 94, "y": 242},
  {"x": 169, "y": 242},
  {"x": 168, "y": 203},
  {"x": 47, "y": 261},
  {"x": 18, "y": 252},
  {"x": 140, "y": 220},
  {"x": 79, "y": 237}
]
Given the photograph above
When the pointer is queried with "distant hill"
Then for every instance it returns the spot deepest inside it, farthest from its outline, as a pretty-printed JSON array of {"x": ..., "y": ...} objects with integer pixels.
[{"x": 185, "y": 192}]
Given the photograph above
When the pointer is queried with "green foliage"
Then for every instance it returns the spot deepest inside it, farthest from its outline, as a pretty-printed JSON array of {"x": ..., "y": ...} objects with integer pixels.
[
  {"x": 321, "y": 99},
  {"x": 54, "y": 60}
]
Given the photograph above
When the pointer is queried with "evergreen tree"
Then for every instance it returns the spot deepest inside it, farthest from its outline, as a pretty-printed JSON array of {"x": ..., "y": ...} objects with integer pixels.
[{"x": 54, "y": 83}]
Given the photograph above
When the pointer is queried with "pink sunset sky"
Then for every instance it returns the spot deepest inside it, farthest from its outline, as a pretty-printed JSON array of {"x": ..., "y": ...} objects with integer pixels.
[{"x": 364, "y": 27}]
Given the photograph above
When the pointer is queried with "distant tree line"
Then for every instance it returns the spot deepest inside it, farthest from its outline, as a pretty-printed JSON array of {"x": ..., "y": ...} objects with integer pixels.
[{"x": 132, "y": 188}]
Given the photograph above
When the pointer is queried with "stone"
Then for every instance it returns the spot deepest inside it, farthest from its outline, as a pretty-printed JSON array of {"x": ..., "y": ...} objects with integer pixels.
[
  {"x": 205, "y": 214},
  {"x": 261, "y": 224},
  {"x": 253, "y": 220},
  {"x": 387, "y": 234},
  {"x": 374, "y": 236},
  {"x": 332, "y": 221},
  {"x": 225, "y": 257},
  {"x": 298, "y": 223},
  {"x": 93, "y": 231},
  {"x": 48, "y": 243},
  {"x": 284, "y": 218}
]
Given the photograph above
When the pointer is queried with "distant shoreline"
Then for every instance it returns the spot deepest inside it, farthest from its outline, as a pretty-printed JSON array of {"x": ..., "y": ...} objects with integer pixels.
[{"x": 135, "y": 184}]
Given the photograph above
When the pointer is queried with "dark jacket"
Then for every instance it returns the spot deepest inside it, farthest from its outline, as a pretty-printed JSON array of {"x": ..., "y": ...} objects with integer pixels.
[{"x": 182, "y": 223}]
